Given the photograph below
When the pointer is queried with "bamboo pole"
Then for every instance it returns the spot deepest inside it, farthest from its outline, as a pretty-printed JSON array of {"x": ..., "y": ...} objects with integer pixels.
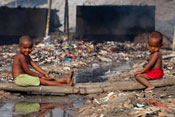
[
  {"x": 173, "y": 46},
  {"x": 87, "y": 88},
  {"x": 66, "y": 19},
  {"x": 48, "y": 18}
]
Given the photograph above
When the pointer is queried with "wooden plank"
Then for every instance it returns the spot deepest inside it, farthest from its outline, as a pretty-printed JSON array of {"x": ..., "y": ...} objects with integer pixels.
[{"x": 87, "y": 88}]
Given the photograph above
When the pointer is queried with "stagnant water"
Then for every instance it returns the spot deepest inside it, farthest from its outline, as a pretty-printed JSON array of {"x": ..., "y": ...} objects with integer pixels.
[
  {"x": 61, "y": 106},
  {"x": 42, "y": 106}
]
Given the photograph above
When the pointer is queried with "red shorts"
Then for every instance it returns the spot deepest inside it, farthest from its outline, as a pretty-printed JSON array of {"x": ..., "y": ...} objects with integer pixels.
[{"x": 155, "y": 74}]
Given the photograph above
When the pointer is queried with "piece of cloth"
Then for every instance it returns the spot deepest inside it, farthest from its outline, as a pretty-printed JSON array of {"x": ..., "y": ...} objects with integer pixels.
[
  {"x": 26, "y": 108},
  {"x": 27, "y": 80},
  {"x": 155, "y": 74}
]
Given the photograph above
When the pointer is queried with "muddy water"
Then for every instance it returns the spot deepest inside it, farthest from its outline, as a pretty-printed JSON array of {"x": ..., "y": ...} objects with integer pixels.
[{"x": 42, "y": 106}]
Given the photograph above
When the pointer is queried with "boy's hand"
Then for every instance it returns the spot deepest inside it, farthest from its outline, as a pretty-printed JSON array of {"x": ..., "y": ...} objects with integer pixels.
[
  {"x": 48, "y": 77},
  {"x": 137, "y": 73},
  {"x": 40, "y": 76}
]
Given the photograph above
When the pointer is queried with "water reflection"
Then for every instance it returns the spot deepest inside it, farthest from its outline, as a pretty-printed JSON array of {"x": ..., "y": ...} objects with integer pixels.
[
  {"x": 28, "y": 109},
  {"x": 42, "y": 106}
]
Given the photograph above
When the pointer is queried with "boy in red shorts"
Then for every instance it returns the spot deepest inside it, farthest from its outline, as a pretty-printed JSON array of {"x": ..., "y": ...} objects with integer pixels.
[{"x": 153, "y": 69}]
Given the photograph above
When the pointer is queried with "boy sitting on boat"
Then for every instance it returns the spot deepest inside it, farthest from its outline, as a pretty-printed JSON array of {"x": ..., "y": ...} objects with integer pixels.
[{"x": 23, "y": 76}]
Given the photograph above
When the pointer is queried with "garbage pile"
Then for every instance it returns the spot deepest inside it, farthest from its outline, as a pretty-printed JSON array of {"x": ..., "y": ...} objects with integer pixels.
[
  {"x": 77, "y": 54},
  {"x": 58, "y": 56}
]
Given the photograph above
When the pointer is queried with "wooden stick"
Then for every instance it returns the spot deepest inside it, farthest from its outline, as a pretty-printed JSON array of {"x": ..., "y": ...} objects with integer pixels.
[
  {"x": 87, "y": 88},
  {"x": 173, "y": 46},
  {"x": 48, "y": 17},
  {"x": 66, "y": 19}
]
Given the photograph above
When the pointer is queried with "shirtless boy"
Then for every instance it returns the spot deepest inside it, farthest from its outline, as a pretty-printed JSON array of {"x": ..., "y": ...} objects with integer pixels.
[
  {"x": 153, "y": 69},
  {"x": 23, "y": 76}
]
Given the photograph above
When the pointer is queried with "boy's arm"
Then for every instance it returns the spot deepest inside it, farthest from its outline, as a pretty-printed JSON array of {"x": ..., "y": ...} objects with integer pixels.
[
  {"x": 25, "y": 67},
  {"x": 37, "y": 68},
  {"x": 151, "y": 62}
]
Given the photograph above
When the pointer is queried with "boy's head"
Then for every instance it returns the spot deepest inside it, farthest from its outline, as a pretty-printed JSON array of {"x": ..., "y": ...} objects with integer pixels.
[
  {"x": 155, "y": 41},
  {"x": 25, "y": 45}
]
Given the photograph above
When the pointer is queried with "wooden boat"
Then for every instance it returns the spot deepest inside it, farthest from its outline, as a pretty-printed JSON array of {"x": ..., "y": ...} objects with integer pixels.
[{"x": 87, "y": 88}]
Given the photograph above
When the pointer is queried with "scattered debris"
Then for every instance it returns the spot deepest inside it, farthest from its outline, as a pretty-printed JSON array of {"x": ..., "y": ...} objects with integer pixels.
[{"x": 58, "y": 57}]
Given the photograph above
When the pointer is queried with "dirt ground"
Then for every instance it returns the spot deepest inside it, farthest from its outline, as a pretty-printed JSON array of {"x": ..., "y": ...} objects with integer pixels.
[{"x": 160, "y": 102}]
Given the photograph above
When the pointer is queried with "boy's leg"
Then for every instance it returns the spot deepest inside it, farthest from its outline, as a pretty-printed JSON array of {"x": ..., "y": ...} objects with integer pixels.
[
  {"x": 67, "y": 80},
  {"x": 60, "y": 80},
  {"x": 143, "y": 79},
  {"x": 53, "y": 83}
]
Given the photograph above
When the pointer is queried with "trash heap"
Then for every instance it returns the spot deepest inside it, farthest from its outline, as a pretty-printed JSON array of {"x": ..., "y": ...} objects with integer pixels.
[
  {"x": 58, "y": 55},
  {"x": 159, "y": 103},
  {"x": 62, "y": 56}
]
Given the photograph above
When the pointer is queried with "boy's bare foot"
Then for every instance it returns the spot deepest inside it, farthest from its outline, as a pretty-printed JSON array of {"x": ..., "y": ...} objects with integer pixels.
[
  {"x": 149, "y": 88},
  {"x": 70, "y": 83},
  {"x": 69, "y": 78}
]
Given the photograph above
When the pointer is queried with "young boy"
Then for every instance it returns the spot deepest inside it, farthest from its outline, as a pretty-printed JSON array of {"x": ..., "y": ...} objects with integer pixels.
[
  {"x": 153, "y": 69},
  {"x": 23, "y": 76}
]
